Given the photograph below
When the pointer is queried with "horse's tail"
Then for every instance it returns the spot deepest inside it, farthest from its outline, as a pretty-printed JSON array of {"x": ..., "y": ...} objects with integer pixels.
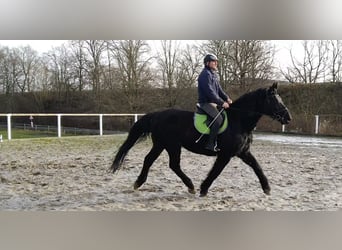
[{"x": 140, "y": 129}]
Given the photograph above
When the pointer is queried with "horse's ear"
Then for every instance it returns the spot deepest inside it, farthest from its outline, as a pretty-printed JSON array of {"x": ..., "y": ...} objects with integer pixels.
[{"x": 274, "y": 86}]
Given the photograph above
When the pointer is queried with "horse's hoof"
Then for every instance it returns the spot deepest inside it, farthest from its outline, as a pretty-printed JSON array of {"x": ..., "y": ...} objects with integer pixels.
[
  {"x": 192, "y": 191},
  {"x": 135, "y": 186},
  {"x": 267, "y": 191},
  {"x": 203, "y": 195}
]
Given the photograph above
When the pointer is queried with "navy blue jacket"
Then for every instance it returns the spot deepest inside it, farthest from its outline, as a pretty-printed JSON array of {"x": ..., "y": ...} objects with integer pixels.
[{"x": 209, "y": 88}]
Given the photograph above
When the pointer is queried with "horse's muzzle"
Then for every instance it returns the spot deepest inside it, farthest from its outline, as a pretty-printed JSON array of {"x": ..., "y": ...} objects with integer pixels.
[{"x": 286, "y": 117}]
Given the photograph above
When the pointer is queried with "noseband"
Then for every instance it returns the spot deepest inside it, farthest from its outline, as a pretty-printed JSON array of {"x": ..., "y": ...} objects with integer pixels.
[{"x": 278, "y": 115}]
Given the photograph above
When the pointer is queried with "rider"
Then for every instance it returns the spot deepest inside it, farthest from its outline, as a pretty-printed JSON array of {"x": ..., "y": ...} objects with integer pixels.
[{"x": 211, "y": 96}]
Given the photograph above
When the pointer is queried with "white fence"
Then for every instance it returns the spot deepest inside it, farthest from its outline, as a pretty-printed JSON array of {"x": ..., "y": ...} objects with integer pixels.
[
  {"x": 59, "y": 120},
  {"x": 100, "y": 116}
]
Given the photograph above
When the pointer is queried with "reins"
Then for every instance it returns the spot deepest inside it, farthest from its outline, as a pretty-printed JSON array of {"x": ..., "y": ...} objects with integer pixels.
[
  {"x": 259, "y": 113},
  {"x": 246, "y": 111}
]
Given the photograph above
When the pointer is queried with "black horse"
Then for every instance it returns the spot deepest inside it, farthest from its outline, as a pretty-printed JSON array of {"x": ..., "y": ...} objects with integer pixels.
[{"x": 173, "y": 129}]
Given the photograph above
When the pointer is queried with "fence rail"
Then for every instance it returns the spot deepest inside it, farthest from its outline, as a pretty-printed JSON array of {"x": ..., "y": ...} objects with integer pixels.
[
  {"x": 59, "y": 120},
  {"x": 318, "y": 120}
]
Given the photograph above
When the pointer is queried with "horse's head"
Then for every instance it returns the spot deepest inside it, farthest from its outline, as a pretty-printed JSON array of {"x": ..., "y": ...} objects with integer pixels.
[{"x": 274, "y": 106}]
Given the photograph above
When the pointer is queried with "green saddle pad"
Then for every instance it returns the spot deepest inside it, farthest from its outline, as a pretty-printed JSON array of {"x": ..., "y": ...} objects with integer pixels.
[{"x": 200, "y": 122}]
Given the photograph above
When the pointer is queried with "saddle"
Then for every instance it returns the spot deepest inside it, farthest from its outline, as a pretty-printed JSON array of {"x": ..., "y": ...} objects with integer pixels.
[{"x": 202, "y": 121}]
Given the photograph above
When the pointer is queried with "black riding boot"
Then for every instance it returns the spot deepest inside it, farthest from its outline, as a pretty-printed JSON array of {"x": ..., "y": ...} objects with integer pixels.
[{"x": 211, "y": 144}]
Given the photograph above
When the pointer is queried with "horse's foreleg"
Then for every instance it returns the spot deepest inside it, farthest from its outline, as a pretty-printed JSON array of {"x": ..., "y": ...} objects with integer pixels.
[
  {"x": 148, "y": 161},
  {"x": 175, "y": 166},
  {"x": 219, "y": 165},
  {"x": 250, "y": 160}
]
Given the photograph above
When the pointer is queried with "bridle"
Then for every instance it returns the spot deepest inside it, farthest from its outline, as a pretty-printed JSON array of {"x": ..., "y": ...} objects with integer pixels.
[{"x": 278, "y": 115}]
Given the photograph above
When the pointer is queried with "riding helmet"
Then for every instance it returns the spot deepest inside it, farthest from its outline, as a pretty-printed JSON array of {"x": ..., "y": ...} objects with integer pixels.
[{"x": 209, "y": 58}]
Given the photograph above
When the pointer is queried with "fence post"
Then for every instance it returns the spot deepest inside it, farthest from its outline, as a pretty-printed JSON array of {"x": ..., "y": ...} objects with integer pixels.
[
  {"x": 283, "y": 128},
  {"x": 9, "y": 127},
  {"x": 101, "y": 124},
  {"x": 316, "y": 124},
  {"x": 59, "y": 125}
]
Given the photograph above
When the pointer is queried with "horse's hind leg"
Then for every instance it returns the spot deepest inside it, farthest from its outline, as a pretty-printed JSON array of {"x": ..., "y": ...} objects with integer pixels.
[
  {"x": 148, "y": 161},
  {"x": 250, "y": 160},
  {"x": 174, "y": 155}
]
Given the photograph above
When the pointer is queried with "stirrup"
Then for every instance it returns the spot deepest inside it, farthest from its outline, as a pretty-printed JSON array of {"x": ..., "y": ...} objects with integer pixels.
[{"x": 212, "y": 148}]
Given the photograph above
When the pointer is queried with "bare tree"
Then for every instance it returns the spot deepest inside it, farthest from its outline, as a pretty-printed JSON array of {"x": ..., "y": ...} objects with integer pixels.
[
  {"x": 29, "y": 61},
  {"x": 10, "y": 73},
  {"x": 250, "y": 61},
  {"x": 15, "y": 71},
  {"x": 4, "y": 70},
  {"x": 95, "y": 49},
  {"x": 78, "y": 64},
  {"x": 109, "y": 69},
  {"x": 169, "y": 64},
  {"x": 242, "y": 62},
  {"x": 132, "y": 59},
  {"x": 94, "y": 66},
  {"x": 335, "y": 52},
  {"x": 190, "y": 64},
  {"x": 311, "y": 68},
  {"x": 58, "y": 61}
]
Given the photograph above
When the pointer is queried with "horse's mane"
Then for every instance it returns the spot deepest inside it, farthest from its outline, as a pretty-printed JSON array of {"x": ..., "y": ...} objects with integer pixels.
[
  {"x": 249, "y": 98},
  {"x": 246, "y": 107}
]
